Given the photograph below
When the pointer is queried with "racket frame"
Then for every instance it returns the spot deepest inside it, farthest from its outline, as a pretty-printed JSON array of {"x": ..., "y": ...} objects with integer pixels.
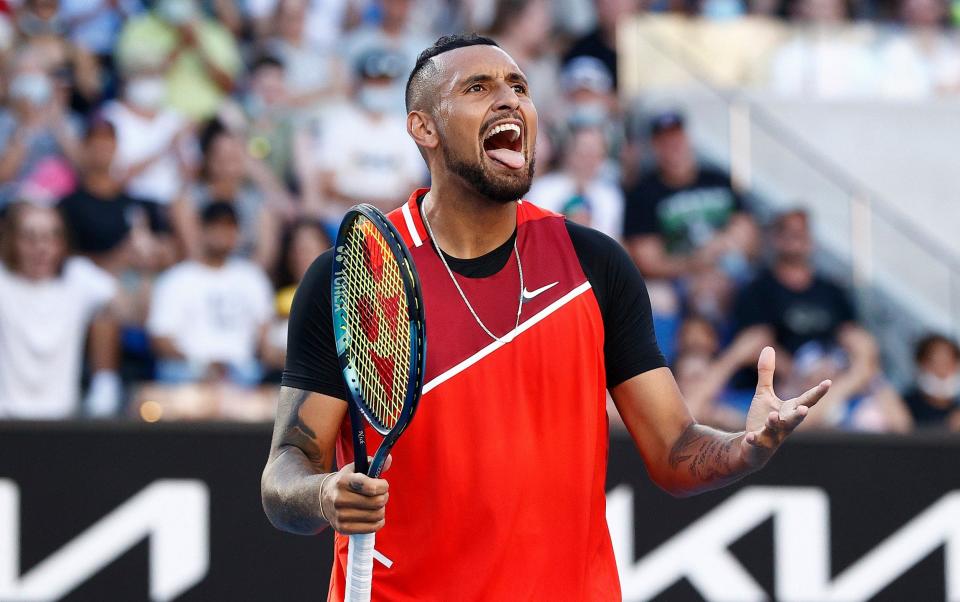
[{"x": 359, "y": 414}]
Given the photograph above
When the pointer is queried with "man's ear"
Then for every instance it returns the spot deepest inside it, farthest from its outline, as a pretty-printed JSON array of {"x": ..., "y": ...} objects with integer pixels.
[{"x": 423, "y": 129}]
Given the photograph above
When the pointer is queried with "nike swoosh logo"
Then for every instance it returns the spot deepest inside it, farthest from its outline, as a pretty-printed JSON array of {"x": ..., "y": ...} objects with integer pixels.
[{"x": 527, "y": 295}]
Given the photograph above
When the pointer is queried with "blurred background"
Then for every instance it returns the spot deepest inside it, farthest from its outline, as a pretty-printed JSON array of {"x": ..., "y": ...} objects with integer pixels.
[{"x": 781, "y": 171}]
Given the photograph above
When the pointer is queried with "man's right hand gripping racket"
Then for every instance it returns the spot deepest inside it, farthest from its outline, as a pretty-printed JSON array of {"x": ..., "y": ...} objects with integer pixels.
[{"x": 381, "y": 343}]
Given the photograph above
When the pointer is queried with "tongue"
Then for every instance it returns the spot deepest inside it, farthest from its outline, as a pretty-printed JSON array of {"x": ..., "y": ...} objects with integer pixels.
[{"x": 510, "y": 158}]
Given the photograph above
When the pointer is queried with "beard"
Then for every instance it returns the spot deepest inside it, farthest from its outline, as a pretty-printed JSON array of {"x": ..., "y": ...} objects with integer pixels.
[{"x": 499, "y": 189}]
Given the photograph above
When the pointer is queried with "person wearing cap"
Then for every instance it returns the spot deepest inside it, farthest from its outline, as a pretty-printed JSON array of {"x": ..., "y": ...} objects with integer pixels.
[
  {"x": 684, "y": 216},
  {"x": 208, "y": 317},
  {"x": 364, "y": 154}
]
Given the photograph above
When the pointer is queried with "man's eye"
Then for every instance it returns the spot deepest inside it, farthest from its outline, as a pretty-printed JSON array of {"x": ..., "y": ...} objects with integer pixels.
[
  {"x": 476, "y": 88},
  {"x": 519, "y": 88}
]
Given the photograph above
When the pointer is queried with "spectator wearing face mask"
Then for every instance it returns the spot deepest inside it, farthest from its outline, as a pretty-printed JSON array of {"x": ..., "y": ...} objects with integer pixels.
[
  {"x": 270, "y": 122},
  {"x": 37, "y": 133},
  {"x": 364, "y": 153},
  {"x": 197, "y": 56},
  {"x": 43, "y": 27},
  {"x": 155, "y": 146},
  {"x": 934, "y": 398}
]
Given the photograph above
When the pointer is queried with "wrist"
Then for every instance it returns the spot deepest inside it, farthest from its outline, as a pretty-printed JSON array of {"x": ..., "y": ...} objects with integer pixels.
[{"x": 323, "y": 481}]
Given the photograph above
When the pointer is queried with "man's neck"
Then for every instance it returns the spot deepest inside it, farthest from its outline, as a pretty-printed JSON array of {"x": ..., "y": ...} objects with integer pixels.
[
  {"x": 680, "y": 177},
  {"x": 101, "y": 185},
  {"x": 465, "y": 224},
  {"x": 795, "y": 275},
  {"x": 214, "y": 261}
]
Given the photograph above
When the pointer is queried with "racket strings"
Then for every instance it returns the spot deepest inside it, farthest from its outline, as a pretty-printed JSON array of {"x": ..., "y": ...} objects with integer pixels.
[{"x": 376, "y": 310}]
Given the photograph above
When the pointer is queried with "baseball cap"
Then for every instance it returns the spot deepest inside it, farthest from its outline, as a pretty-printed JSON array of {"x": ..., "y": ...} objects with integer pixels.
[
  {"x": 377, "y": 63},
  {"x": 586, "y": 73},
  {"x": 666, "y": 120}
]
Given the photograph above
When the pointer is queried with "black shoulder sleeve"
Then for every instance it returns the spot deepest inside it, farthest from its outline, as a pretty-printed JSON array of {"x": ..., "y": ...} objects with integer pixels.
[
  {"x": 630, "y": 344},
  {"x": 312, "y": 363}
]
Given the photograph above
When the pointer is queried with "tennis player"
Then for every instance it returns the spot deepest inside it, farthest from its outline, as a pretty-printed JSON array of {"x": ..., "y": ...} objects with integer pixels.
[{"x": 497, "y": 488}]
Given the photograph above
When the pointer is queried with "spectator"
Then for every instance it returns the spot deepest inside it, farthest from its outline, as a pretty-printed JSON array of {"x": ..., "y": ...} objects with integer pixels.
[
  {"x": 48, "y": 302},
  {"x": 921, "y": 60},
  {"x": 822, "y": 59},
  {"x": 579, "y": 189},
  {"x": 790, "y": 296},
  {"x": 860, "y": 399},
  {"x": 37, "y": 132},
  {"x": 155, "y": 146},
  {"x": 197, "y": 56},
  {"x": 601, "y": 43},
  {"x": 393, "y": 34},
  {"x": 313, "y": 76},
  {"x": 934, "y": 398},
  {"x": 523, "y": 29},
  {"x": 704, "y": 374},
  {"x": 42, "y": 28},
  {"x": 94, "y": 25},
  {"x": 105, "y": 223},
  {"x": 231, "y": 175},
  {"x": 208, "y": 317},
  {"x": 270, "y": 125},
  {"x": 684, "y": 215},
  {"x": 302, "y": 243},
  {"x": 324, "y": 20},
  {"x": 365, "y": 154}
]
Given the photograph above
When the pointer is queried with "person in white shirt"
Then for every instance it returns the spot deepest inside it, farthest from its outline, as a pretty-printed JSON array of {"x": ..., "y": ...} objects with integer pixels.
[
  {"x": 364, "y": 154},
  {"x": 579, "y": 189},
  {"x": 155, "y": 144},
  {"x": 48, "y": 302},
  {"x": 208, "y": 318}
]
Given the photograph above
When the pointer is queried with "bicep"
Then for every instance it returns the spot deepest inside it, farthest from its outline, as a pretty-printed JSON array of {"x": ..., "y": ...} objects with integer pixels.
[
  {"x": 654, "y": 413},
  {"x": 309, "y": 422}
]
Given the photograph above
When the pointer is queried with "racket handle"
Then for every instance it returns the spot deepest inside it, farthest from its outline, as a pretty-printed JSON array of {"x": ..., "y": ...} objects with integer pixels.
[{"x": 359, "y": 567}]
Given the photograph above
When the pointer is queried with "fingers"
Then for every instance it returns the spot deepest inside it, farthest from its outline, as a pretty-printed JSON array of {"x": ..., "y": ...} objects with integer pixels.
[
  {"x": 811, "y": 397},
  {"x": 765, "y": 368},
  {"x": 353, "y": 502},
  {"x": 777, "y": 426}
]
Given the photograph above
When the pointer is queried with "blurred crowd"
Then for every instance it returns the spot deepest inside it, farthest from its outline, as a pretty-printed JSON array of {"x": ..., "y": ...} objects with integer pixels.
[{"x": 170, "y": 169}]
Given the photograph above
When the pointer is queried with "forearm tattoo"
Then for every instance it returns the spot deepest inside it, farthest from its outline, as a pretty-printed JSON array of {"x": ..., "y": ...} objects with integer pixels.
[{"x": 708, "y": 455}]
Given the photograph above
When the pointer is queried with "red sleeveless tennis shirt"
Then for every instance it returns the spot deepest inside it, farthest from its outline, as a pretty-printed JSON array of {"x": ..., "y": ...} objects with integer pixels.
[{"x": 497, "y": 486}]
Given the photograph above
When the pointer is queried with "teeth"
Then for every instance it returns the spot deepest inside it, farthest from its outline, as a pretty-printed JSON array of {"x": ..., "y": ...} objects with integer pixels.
[{"x": 505, "y": 127}]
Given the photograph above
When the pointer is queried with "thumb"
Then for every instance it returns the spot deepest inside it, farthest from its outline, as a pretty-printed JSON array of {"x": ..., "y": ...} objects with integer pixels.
[
  {"x": 765, "y": 368},
  {"x": 387, "y": 463}
]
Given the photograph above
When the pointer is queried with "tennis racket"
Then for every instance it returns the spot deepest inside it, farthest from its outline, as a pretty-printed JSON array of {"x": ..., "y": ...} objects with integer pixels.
[{"x": 381, "y": 344}]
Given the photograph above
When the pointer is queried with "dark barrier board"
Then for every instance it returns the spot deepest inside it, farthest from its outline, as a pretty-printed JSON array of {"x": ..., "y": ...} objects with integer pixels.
[{"x": 102, "y": 508}]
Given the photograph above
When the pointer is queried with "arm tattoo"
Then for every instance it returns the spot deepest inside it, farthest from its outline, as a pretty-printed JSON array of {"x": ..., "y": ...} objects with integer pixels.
[
  {"x": 709, "y": 455},
  {"x": 294, "y": 431}
]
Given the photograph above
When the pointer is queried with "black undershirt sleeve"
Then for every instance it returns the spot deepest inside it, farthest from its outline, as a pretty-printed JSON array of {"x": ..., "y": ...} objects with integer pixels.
[
  {"x": 630, "y": 345},
  {"x": 312, "y": 363}
]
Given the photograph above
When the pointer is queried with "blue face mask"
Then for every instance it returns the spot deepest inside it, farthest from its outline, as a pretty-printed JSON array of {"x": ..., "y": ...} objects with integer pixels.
[
  {"x": 378, "y": 99},
  {"x": 35, "y": 88}
]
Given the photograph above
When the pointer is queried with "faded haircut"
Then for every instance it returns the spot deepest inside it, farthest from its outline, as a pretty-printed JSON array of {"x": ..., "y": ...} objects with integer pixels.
[{"x": 418, "y": 82}]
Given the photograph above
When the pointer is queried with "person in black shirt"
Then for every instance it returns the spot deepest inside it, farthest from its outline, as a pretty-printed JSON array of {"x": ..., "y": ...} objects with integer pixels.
[
  {"x": 685, "y": 216},
  {"x": 601, "y": 43},
  {"x": 106, "y": 224},
  {"x": 934, "y": 399},
  {"x": 789, "y": 297}
]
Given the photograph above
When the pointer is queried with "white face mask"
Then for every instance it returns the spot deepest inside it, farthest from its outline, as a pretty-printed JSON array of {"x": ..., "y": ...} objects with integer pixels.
[
  {"x": 177, "y": 12},
  {"x": 35, "y": 88},
  {"x": 378, "y": 99},
  {"x": 939, "y": 388},
  {"x": 147, "y": 93}
]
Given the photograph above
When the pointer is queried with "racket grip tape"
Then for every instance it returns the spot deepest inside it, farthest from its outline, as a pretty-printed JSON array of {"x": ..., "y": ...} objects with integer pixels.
[{"x": 359, "y": 567}]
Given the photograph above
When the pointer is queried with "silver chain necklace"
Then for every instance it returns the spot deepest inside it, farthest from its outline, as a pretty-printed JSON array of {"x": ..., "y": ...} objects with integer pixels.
[{"x": 464, "y": 296}]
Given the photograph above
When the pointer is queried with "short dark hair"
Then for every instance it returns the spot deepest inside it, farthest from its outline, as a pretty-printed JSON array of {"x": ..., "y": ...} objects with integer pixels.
[
  {"x": 443, "y": 44},
  {"x": 266, "y": 60},
  {"x": 926, "y": 344},
  {"x": 219, "y": 212}
]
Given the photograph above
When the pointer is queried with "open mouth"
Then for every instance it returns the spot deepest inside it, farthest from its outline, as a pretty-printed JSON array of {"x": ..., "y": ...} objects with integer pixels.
[{"x": 504, "y": 144}]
